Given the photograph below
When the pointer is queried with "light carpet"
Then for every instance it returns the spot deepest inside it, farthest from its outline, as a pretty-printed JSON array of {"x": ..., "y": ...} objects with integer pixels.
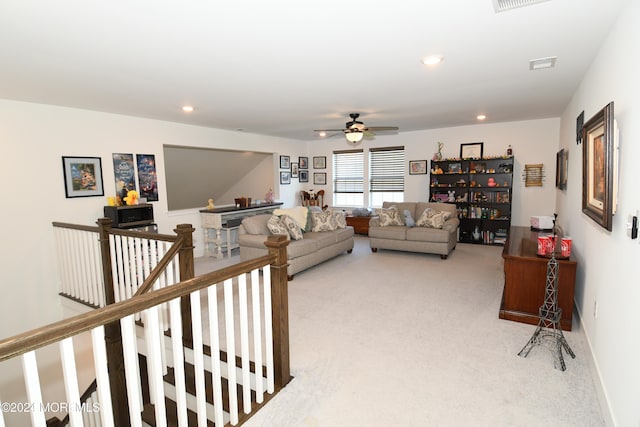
[{"x": 403, "y": 339}]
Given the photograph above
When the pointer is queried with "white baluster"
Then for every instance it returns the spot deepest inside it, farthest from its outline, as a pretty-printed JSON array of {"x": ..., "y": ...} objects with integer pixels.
[
  {"x": 131, "y": 369},
  {"x": 268, "y": 328},
  {"x": 102, "y": 376},
  {"x": 198, "y": 358},
  {"x": 257, "y": 333},
  {"x": 214, "y": 337},
  {"x": 178, "y": 361},
  {"x": 154, "y": 363},
  {"x": 244, "y": 342},
  {"x": 231, "y": 351},
  {"x": 71, "y": 381},
  {"x": 32, "y": 381}
]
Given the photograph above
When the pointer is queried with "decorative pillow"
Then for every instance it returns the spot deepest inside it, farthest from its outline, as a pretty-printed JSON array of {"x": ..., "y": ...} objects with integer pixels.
[
  {"x": 341, "y": 219},
  {"x": 389, "y": 216},
  {"x": 408, "y": 219},
  {"x": 276, "y": 226},
  {"x": 299, "y": 214},
  {"x": 323, "y": 221},
  {"x": 292, "y": 226},
  {"x": 432, "y": 218}
]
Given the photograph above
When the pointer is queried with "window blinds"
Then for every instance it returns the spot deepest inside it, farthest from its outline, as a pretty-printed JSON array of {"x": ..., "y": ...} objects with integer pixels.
[
  {"x": 386, "y": 169},
  {"x": 348, "y": 171}
]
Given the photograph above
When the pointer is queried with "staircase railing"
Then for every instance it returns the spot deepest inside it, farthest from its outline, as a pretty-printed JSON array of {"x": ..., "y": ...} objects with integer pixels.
[
  {"x": 136, "y": 260},
  {"x": 251, "y": 313}
]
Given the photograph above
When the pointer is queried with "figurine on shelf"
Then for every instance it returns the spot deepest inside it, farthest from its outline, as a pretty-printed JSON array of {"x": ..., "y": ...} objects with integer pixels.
[
  {"x": 269, "y": 196},
  {"x": 452, "y": 196},
  {"x": 132, "y": 198},
  {"x": 210, "y": 204},
  {"x": 509, "y": 151}
]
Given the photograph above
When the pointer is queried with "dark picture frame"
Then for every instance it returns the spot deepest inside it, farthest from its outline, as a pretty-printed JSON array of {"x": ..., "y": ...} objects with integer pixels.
[
  {"x": 294, "y": 170},
  {"x": 303, "y": 176},
  {"x": 320, "y": 162},
  {"x": 319, "y": 178},
  {"x": 471, "y": 150},
  {"x": 417, "y": 167},
  {"x": 598, "y": 167},
  {"x": 285, "y": 162},
  {"x": 579, "y": 126},
  {"x": 123, "y": 173},
  {"x": 82, "y": 176},
  {"x": 561, "y": 169},
  {"x": 147, "y": 178},
  {"x": 285, "y": 177},
  {"x": 303, "y": 162}
]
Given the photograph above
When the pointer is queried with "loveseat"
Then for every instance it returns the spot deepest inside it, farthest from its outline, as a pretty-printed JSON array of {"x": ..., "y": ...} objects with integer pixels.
[
  {"x": 415, "y": 227},
  {"x": 316, "y": 236}
]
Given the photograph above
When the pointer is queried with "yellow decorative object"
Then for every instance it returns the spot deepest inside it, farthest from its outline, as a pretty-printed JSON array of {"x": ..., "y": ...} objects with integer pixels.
[
  {"x": 210, "y": 205},
  {"x": 132, "y": 198}
]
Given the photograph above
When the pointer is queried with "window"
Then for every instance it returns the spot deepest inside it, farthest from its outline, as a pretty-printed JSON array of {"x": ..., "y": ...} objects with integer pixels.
[
  {"x": 386, "y": 175},
  {"x": 348, "y": 178}
]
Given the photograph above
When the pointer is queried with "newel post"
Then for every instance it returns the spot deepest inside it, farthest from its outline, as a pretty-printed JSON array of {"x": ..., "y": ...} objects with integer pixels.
[
  {"x": 187, "y": 271},
  {"x": 277, "y": 245},
  {"x": 113, "y": 336}
]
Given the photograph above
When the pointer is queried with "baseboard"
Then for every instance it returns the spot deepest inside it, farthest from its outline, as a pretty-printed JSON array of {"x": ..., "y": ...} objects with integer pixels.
[{"x": 605, "y": 407}]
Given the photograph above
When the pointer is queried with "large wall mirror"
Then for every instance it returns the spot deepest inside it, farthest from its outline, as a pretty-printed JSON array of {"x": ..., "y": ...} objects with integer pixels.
[{"x": 196, "y": 174}]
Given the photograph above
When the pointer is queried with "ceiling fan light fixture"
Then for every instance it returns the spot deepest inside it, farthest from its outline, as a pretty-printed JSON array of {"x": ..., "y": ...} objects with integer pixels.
[
  {"x": 354, "y": 136},
  {"x": 433, "y": 60}
]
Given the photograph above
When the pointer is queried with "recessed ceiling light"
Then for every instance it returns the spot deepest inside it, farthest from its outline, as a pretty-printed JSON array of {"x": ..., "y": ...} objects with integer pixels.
[
  {"x": 322, "y": 134},
  {"x": 540, "y": 63},
  {"x": 481, "y": 117},
  {"x": 187, "y": 108},
  {"x": 433, "y": 60}
]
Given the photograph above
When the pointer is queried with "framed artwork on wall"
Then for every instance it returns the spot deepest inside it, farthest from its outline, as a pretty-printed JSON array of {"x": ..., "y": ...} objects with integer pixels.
[
  {"x": 285, "y": 177},
  {"x": 598, "y": 167},
  {"x": 82, "y": 176},
  {"x": 147, "y": 179},
  {"x": 304, "y": 176},
  {"x": 472, "y": 150},
  {"x": 303, "y": 162},
  {"x": 417, "y": 167},
  {"x": 285, "y": 162},
  {"x": 561, "y": 169},
  {"x": 320, "y": 162},
  {"x": 124, "y": 174},
  {"x": 294, "y": 170},
  {"x": 319, "y": 178}
]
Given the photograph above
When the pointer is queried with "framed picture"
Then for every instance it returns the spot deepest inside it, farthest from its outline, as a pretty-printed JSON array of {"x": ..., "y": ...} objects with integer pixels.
[
  {"x": 472, "y": 150},
  {"x": 319, "y": 178},
  {"x": 285, "y": 177},
  {"x": 455, "y": 167},
  {"x": 561, "y": 169},
  {"x": 147, "y": 179},
  {"x": 303, "y": 162},
  {"x": 285, "y": 162},
  {"x": 598, "y": 167},
  {"x": 294, "y": 170},
  {"x": 320, "y": 162},
  {"x": 303, "y": 176},
  {"x": 124, "y": 174},
  {"x": 82, "y": 176},
  {"x": 579, "y": 125},
  {"x": 417, "y": 167}
]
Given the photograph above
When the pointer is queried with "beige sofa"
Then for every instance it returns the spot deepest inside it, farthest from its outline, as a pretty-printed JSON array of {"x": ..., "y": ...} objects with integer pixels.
[
  {"x": 439, "y": 241},
  {"x": 312, "y": 249}
]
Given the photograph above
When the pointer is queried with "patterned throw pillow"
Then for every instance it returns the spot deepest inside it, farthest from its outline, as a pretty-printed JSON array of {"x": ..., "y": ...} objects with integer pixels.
[
  {"x": 432, "y": 218},
  {"x": 292, "y": 226},
  {"x": 325, "y": 221},
  {"x": 389, "y": 216},
  {"x": 341, "y": 219},
  {"x": 276, "y": 226}
]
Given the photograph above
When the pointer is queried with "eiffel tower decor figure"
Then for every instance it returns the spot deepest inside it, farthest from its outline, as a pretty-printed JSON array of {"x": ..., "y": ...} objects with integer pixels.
[{"x": 549, "y": 331}]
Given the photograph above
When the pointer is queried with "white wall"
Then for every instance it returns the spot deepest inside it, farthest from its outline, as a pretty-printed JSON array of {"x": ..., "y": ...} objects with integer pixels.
[
  {"x": 533, "y": 141},
  {"x": 607, "y": 260}
]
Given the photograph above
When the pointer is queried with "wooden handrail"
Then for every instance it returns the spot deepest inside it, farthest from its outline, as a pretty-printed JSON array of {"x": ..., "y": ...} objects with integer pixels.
[
  {"x": 92, "y": 228},
  {"x": 159, "y": 269},
  {"x": 40, "y": 337},
  {"x": 117, "y": 231}
]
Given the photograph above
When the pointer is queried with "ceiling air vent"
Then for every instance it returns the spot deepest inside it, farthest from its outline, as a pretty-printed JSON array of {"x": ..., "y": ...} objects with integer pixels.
[{"x": 504, "y": 5}]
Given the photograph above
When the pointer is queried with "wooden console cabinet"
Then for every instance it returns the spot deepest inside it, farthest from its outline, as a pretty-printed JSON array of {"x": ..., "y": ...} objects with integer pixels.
[
  {"x": 360, "y": 224},
  {"x": 525, "y": 280}
]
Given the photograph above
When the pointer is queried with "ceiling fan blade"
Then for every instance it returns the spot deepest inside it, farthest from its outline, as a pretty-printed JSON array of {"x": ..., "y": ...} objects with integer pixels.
[
  {"x": 383, "y": 128},
  {"x": 328, "y": 130},
  {"x": 368, "y": 134}
]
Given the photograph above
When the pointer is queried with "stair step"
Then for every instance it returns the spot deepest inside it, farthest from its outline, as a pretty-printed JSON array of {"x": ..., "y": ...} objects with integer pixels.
[
  {"x": 190, "y": 384},
  {"x": 149, "y": 415}
]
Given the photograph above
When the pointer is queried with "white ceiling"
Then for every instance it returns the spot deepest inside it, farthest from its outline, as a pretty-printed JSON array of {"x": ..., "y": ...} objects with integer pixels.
[{"x": 286, "y": 67}]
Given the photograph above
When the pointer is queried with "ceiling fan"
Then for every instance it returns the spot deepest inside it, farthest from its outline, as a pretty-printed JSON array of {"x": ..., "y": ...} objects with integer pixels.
[{"x": 355, "y": 130}]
